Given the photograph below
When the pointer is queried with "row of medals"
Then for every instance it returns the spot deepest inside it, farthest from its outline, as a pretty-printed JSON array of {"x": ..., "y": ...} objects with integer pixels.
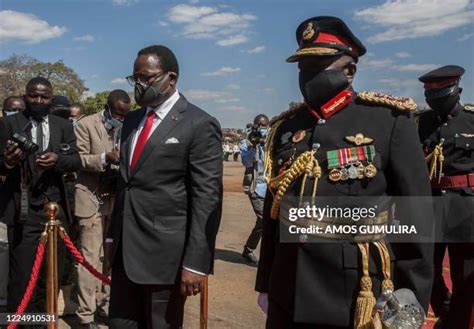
[{"x": 354, "y": 170}]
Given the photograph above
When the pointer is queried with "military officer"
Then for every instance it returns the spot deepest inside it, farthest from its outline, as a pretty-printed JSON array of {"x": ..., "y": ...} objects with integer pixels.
[
  {"x": 447, "y": 134},
  {"x": 337, "y": 143}
]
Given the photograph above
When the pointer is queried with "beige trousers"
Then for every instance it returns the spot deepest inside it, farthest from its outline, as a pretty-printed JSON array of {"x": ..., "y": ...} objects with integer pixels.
[{"x": 92, "y": 294}]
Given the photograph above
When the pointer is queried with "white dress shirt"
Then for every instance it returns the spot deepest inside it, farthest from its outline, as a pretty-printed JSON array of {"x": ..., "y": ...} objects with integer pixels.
[
  {"x": 45, "y": 125},
  {"x": 161, "y": 112}
]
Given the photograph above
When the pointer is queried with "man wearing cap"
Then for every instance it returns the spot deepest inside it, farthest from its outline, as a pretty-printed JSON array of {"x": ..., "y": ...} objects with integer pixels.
[
  {"x": 60, "y": 106},
  {"x": 447, "y": 134},
  {"x": 337, "y": 143}
]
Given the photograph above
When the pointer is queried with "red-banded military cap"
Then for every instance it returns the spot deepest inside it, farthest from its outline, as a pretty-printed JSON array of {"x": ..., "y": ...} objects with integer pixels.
[
  {"x": 442, "y": 81},
  {"x": 326, "y": 36}
]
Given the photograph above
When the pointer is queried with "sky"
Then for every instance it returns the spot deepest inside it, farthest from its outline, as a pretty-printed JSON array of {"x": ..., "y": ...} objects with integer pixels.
[{"x": 232, "y": 52}]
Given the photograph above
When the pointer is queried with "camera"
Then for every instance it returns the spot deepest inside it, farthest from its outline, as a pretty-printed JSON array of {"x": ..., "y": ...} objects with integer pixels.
[
  {"x": 254, "y": 135},
  {"x": 24, "y": 143}
]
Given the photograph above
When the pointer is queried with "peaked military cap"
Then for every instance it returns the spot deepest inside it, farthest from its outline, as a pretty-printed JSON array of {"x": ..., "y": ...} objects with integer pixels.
[
  {"x": 442, "y": 81},
  {"x": 60, "y": 101},
  {"x": 326, "y": 36}
]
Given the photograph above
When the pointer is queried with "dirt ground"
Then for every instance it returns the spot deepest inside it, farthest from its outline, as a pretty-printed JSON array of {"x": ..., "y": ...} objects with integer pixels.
[{"x": 232, "y": 299}]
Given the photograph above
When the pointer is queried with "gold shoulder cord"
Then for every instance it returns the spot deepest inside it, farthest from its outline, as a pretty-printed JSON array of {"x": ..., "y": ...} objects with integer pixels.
[
  {"x": 437, "y": 158},
  {"x": 268, "y": 161},
  {"x": 305, "y": 164},
  {"x": 365, "y": 302},
  {"x": 366, "y": 314},
  {"x": 403, "y": 104}
]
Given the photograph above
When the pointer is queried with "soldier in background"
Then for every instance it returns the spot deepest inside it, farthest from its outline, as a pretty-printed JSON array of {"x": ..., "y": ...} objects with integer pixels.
[{"x": 447, "y": 134}]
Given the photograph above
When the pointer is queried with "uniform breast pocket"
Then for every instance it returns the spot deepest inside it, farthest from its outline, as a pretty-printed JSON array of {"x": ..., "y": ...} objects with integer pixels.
[{"x": 463, "y": 142}]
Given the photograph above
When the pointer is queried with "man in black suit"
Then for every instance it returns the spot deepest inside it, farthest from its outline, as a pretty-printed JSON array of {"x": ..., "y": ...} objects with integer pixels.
[
  {"x": 40, "y": 171},
  {"x": 167, "y": 209}
]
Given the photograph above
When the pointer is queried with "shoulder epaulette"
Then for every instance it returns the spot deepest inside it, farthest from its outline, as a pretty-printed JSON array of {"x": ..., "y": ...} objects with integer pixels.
[
  {"x": 403, "y": 104},
  {"x": 469, "y": 108},
  {"x": 294, "y": 108}
]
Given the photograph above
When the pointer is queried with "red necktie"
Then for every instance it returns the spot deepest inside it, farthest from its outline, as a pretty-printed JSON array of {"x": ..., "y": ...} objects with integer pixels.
[{"x": 142, "y": 138}]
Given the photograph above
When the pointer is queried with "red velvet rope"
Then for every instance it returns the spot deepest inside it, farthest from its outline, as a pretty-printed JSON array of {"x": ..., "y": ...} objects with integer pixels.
[
  {"x": 32, "y": 283},
  {"x": 80, "y": 259}
]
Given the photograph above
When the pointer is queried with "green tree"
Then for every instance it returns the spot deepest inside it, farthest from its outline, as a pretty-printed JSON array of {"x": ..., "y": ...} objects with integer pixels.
[
  {"x": 96, "y": 103},
  {"x": 16, "y": 70}
]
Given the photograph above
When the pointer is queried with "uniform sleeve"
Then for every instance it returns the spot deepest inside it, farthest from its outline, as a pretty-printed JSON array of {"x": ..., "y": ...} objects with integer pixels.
[
  {"x": 205, "y": 189},
  {"x": 89, "y": 162},
  {"x": 267, "y": 246},
  {"x": 409, "y": 174}
]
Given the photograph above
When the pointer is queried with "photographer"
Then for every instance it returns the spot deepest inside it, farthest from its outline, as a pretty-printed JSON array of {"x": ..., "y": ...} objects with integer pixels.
[
  {"x": 253, "y": 153},
  {"x": 11, "y": 105},
  {"x": 98, "y": 144},
  {"x": 36, "y": 149}
]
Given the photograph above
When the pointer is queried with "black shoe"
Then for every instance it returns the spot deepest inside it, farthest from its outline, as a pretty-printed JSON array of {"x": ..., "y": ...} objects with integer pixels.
[
  {"x": 248, "y": 255},
  {"x": 89, "y": 325}
]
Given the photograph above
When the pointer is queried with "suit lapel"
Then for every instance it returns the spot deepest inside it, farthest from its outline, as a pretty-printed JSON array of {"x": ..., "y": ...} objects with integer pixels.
[
  {"x": 126, "y": 145},
  {"x": 20, "y": 124},
  {"x": 169, "y": 122},
  {"x": 54, "y": 133},
  {"x": 99, "y": 127}
]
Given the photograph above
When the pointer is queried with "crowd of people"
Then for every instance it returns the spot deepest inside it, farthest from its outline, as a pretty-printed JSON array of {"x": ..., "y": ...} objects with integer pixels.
[{"x": 141, "y": 193}]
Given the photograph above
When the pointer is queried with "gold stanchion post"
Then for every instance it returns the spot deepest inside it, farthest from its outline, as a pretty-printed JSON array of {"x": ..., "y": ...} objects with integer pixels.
[
  {"x": 51, "y": 211},
  {"x": 204, "y": 304}
]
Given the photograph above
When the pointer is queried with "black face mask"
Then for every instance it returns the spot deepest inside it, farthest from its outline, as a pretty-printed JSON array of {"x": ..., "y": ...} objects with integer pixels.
[
  {"x": 317, "y": 89},
  {"x": 443, "y": 105},
  {"x": 37, "y": 110},
  {"x": 148, "y": 94}
]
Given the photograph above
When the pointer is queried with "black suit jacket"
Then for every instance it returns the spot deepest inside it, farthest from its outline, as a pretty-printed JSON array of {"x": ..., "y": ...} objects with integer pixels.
[
  {"x": 46, "y": 185},
  {"x": 167, "y": 209}
]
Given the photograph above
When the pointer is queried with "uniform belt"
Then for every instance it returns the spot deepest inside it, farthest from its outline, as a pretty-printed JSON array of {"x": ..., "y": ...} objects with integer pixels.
[{"x": 457, "y": 181}]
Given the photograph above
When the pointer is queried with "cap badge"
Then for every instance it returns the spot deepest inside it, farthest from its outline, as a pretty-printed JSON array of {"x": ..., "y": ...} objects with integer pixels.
[
  {"x": 298, "y": 136},
  {"x": 309, "y": 32}
]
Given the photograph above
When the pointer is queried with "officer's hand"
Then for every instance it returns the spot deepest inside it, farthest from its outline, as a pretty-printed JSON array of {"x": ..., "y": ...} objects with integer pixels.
[
  {"x": 191, "y": 283},
  {"x": 12, "y": 155},
  {"x": 113, "y": 156},
  {"x": 47, "y": 160},
  {"x": 262, "y": 302}
]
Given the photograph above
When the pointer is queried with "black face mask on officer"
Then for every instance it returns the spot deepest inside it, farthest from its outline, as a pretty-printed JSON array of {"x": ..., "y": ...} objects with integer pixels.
[
  {"x": 37, "y": 110},
  {"x": 443, "y": 105},
  {"x": 318, "y": 88},
  {"x": 148, "y": 94}
]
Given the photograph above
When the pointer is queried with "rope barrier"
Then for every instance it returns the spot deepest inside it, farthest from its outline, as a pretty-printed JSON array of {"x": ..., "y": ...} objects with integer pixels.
[
  {"x": 80, "y": 258},
  {"x": 33, "y": 279}
]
